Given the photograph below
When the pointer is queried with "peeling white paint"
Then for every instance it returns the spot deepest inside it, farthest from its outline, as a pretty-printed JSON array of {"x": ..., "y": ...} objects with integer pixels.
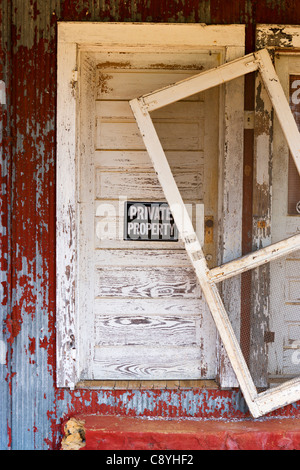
[
  {"x": 262, "y": 169},
  {"x": 2, "y": 92}
]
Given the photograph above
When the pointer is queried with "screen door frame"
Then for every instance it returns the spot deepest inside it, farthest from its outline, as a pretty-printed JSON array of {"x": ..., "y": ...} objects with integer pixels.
[{"x": 258, "y": 403}]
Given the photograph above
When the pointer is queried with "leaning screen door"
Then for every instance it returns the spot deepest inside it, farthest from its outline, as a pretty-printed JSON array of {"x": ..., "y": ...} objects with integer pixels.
[{"x": 284, "y": 274}]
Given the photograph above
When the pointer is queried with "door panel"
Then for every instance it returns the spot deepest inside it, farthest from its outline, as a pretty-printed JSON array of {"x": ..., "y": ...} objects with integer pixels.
[{"x": 150, "y": 321}]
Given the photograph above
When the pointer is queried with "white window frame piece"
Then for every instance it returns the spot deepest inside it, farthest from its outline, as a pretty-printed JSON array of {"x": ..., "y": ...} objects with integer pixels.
[
  {"x": 289, "y": 392},
  {"x": 74, "y": 37}
]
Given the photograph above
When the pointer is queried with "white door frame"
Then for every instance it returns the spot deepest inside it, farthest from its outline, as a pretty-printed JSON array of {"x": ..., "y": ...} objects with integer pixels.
[{"x": 74, "y": 37}]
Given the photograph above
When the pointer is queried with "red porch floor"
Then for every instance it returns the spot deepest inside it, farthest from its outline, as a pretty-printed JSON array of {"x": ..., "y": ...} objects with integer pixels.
[{"x": 94, "y": 432}]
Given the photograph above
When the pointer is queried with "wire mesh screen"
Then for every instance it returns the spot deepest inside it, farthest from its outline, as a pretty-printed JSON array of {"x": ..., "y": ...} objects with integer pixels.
[{"x": 269, "y": 325}]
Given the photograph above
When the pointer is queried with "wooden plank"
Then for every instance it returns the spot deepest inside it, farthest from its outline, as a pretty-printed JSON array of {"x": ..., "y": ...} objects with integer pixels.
[
  {"x": 198, "y": 384},
  {"x": 146, "y": 384},
  {"x": 200, "y": 82},
  {"x": 149, "y": 282},
  {"x": 179, "y": 36},
  {"x": 115, "y": 207},
  {"x": 109, "y": 241},
  {"x": 259, "y": 351},
  {"x": 125, "y": 135},
  {"x": 66, "y": 208},
  {"x": 125, "y": 85},
  {"x": 142, "y": 363},
  {"x": 170, "y": 60},
  {"x": 255, "y": 259},
  {"x": 133, "y": 160},
  {"x": 162, "y": 306},
  {"x": 146, "y": 330},
  {"x": 145, "y": 185},
  {"x": 182, "y": 111},
  {"x": 230, "y": 210},
  {"x": 279, "y": 396},
  {"x": 85, "y": 221},
  {"x": 133, "y": 257}
]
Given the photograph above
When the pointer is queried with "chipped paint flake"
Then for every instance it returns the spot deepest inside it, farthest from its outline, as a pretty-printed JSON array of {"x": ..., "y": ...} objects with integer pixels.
[
  {"x": 262, "y": 169},
  {"x": 3, "y": 351},
  {"x": 2, "y": 92}
]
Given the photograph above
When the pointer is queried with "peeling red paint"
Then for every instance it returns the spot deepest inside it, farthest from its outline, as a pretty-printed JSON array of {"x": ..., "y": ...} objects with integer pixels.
[
  {"x": 9, "y": 435},
  {"x": 32, "y": 345},
  {"x": 44, "y": 343}
]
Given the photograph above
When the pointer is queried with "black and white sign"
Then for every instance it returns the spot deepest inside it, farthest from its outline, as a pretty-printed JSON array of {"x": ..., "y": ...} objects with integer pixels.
[{"x": 151, "y": 221}]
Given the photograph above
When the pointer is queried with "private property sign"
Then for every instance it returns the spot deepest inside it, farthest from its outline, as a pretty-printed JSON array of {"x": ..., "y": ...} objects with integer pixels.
[{"x": 151, "y": 221}]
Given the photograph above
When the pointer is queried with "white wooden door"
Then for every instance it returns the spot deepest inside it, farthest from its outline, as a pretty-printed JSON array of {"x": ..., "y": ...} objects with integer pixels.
[
  {"x": 148, "y": 320},
  {"x": 284, "y": 351}
]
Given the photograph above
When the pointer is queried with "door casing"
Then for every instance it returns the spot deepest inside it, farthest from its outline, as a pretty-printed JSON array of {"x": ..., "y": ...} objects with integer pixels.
[{"x": 76, "y": 37}]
